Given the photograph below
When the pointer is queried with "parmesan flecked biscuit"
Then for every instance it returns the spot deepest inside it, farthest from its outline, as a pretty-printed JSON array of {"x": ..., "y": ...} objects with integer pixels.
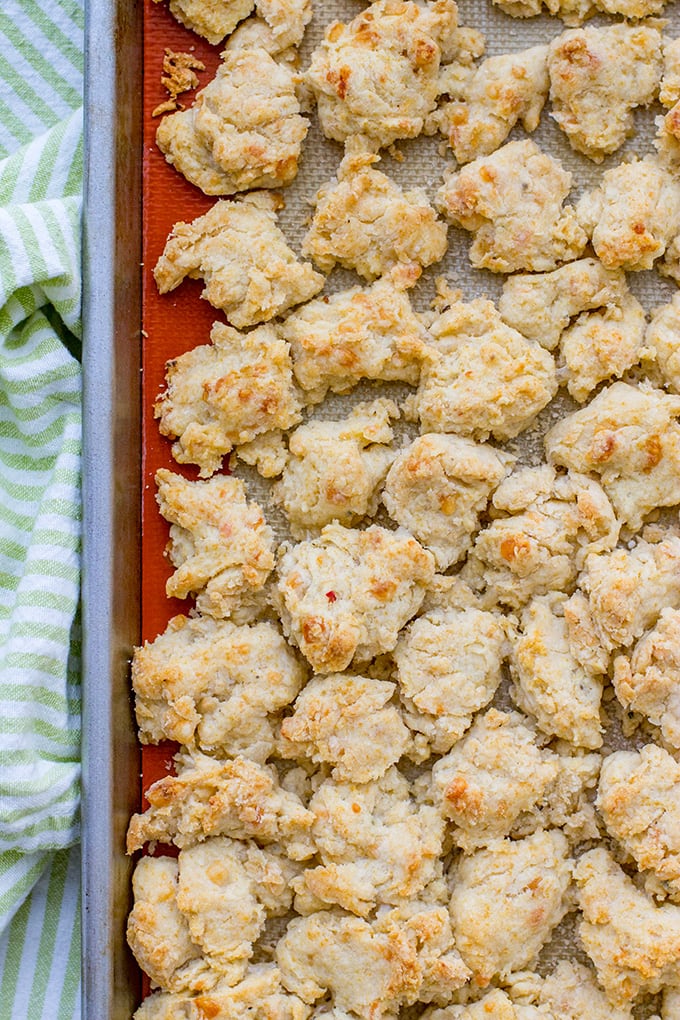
[
  {"x": 243, "y": 131},
  {"x": 213, "y": 683},
  {"x": 350, "y": 723},
  {"x": 480, "y": 376},
  {"x": 237, "y": 249},
  {"x": 448, "y": 666},
  {"x": 634, "y": 944},
  {"x": 663, "y": 342},
  {"x": 236, "y": 798},
  {"x": 378, "y": 75},
  {"x": 335, "y": 468},
  {"x": 648, "y": 681},
  {"x": 220, "y": 544},
  {"x": 487, "y": 101},
  {"x": 512, "y": 201},
  {"x": 598, "y": 76},
  {"x": 371, "y": 968},
  {"x": 361, "y": 333},
  {"x": 215, "y": 19},
  {"x": 346, "y": 595},
  {"x": 226, "y": 393},
  {"x": 630, "y": 437},
  {"x": 364, "y": 221},
  {"x": 506, "y": 901},
  {"x": 638, "y": 800}
]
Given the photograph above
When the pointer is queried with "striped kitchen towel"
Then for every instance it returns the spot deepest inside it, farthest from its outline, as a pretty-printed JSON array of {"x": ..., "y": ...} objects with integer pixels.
[{"x": 41, "y": 46}]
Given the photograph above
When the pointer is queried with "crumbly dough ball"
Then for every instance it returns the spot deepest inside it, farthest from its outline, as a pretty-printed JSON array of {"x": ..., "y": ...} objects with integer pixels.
[
  {"x": 213, "y": 19},
  {"x": 376, "y": 844},
  {"x": 364, "y": 221},
  {"x": 598, "y": 76},
  {"x": 542, "y": 305},
  {"x": 602, "y": 345},
  {"x": 493, "y": 775},
  {"x": 222, "y": 394},
  {"x": 482, "y": 377},
  {"x": 549, "y": 523},
  {"x": 638, "y": 800},
  {"x": 243, "y": 131},
  {"x": 495, "y": 1005},
  {"x": 629, "y": 588},
  {"x": 634, "y": 944},
  {"x": 335, "y": 468},
  {"x": 236, "y": 798},
  {"x": 158, "y": 933},
  {"x": 438, "y": 486},
  {"x": 512, "y": 201},
  {"x": 668, "y": 137},
  {"x": 649, "y": 680},
  {"x": 219, "y": 542},
  {"x": 550, "y": 683},
  {"x": 371, "y": 968},
  {"x": 448, "y": 666},
  {"x": 568, "y": 802},
  {"x": 663, "y": 340},
  {"x": 584, "y": 637},
  {"x": 633, "y": 217},
  {"x": 213, "y": 683},
  {"x": 349, "y": 722},
  {"x": 259, "y": 996},
  {"x": 487, "y": 101},
  {"x": 346, "y": 595},
  {"x": 237, "y": 249},
  {"x": 572, "y": 993},
  {"x": 267, "y": 453},
  {"x": 629, "y": 436},
  {"x": 378, "y": 75},
  {"x": 573, "y": 12},
  {"x": 506, "y": 901},
  {"x": 362, "y": 333}
]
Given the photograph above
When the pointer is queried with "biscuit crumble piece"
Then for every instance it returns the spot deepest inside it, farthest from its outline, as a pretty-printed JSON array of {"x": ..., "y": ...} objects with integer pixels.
[
  {"x": 438, "y": 486},
  {"x": 220, "y": 544},
  {"x": 238, "y": 250},
  {"x": 179, "y": 75},
  {"x": 361, "y": 333},
  {"x": 236, "y": 798},
  {"x": 378, "y": 579},
  {"x": 487, "y": 101},
  {"x": 227, "y": 393},
  {"x": 216, "y": 684},
  {"x": 364, "y": 221},
  {"x": 335, "y": 468},
  {"x": 512, "y": 201},
  {"x": 377, "y": 76},
  {"x": 349, "y": 722},
  {"x": 648, "y": 681},
  {"x": 598, "y": 76}
]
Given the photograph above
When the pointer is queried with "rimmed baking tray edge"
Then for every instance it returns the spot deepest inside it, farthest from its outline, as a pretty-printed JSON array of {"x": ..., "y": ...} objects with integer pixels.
[{"x": 111, "y": 491}]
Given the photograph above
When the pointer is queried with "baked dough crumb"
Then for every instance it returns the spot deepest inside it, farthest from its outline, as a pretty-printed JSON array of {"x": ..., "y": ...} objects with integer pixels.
[
  {"x": 361, "y": 333},
  {"x": 598, "y": 76},
  {"x": 662, "y": 342},
  {"x": 220, "y": 544},
  {"x": 377, "y": 75},
  {"x": 349, "y": 722},
  {"x": 213, "y": 683},
  {"x": 346, "y": 595},
  {"x": 448, "y": 666},
  {"x": 512, "y": 201},
  {"x": 364, "y": 221},
  {"x": 226, "y": 393},
  {"x": 648, "y": 681},
  {"x": 236, "y": 798},
  {"x": 371, "y": 968},
  {"x": 573, "y": 12},
  {"x": 487, "y": 101},
  {"x": 335, "y": 468},
  {"x": 438, "y": 486},
  {"x": 481, "y": 377},
  {"x": 237, "y": 249},
  {"x": 506, "y": 901},
  {"x": 634, "y": 944},
  {"x": 179, "y": 75},
  {"x": 630, "y": 437}
]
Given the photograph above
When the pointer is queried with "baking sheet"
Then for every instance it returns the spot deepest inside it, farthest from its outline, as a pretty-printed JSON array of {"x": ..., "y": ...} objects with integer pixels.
[{"x": 179, "y": 321}]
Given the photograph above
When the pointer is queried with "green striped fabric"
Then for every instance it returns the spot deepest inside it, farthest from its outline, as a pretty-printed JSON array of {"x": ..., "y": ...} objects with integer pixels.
[{"x": 41, "y": 46}]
